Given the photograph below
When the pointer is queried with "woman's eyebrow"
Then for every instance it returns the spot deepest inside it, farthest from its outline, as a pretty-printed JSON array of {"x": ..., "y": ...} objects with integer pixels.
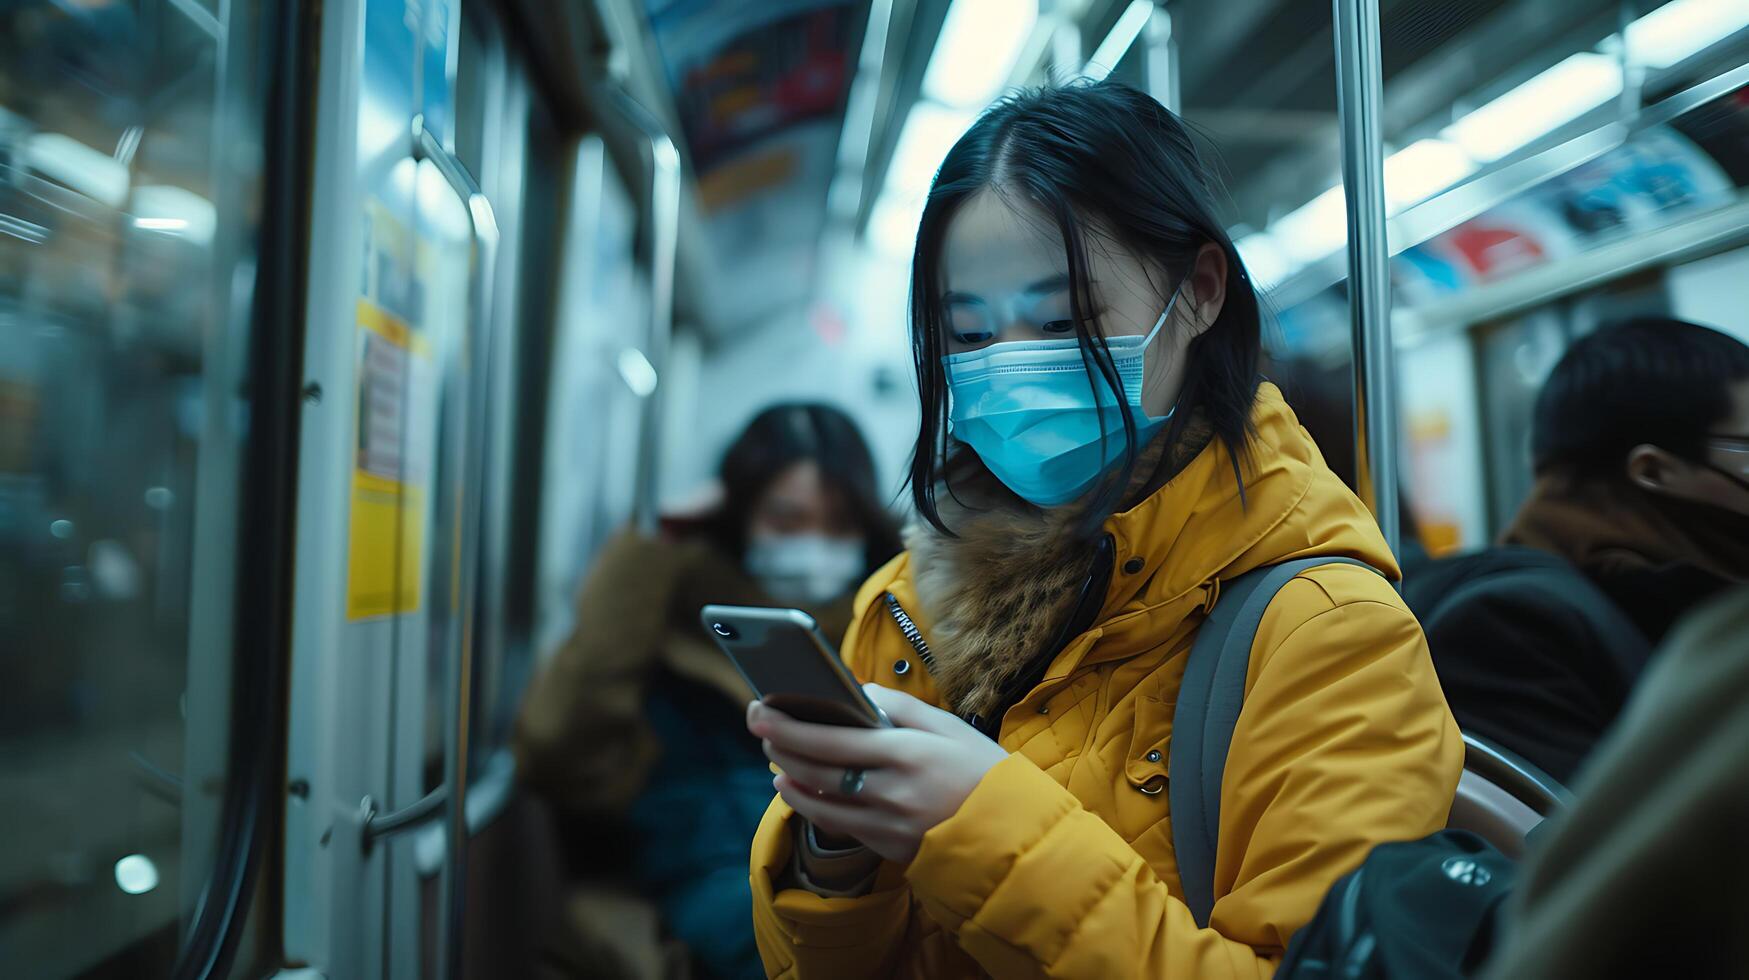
[{"x": 950, "y": 297}]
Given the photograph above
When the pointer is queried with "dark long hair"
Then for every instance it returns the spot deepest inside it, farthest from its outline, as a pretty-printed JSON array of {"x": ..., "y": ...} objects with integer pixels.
[
  {"x": 1107, "y": 160},
  {"x": 790, "y": 433}
]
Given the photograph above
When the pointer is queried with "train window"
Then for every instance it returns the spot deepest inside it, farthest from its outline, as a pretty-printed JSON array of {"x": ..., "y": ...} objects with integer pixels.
[{"x": 130, "y": 182}]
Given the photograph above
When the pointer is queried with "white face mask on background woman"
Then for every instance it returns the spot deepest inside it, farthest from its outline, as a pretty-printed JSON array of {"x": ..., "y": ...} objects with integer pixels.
[{"x": 806, "y": 569}]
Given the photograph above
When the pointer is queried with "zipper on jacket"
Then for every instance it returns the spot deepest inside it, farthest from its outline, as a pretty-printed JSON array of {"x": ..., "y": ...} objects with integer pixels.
[
  {"x": 912, "y": 633},
  {"x": 1088, "y": 601}
]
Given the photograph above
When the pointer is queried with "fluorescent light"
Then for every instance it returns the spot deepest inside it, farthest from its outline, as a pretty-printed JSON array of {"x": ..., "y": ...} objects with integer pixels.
[
  {"x": 930, "y": 131},
  {"x": 1423, "y": 169},
  {"x": 93, "y": 173},
  {"x": 173, "y": 210},
  {"x": 638, "y": 372},
  {"x": 1563, "y": 93},
  {"x": 1313, "y": 230},
  {"x": 1264, "y": 259},
  {"x": 1123, "y": 34},
  {"x": 136, "y": 874},
  {"x": 1680, "y": 28},
  {"x": 979, "y": 42}
]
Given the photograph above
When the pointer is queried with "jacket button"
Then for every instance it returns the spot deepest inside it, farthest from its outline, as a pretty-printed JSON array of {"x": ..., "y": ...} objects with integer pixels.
[
  {"x": 1134, "y": 565},
  {"x": 902, "y": 667},
  {"x": 1154, "y": 755}
]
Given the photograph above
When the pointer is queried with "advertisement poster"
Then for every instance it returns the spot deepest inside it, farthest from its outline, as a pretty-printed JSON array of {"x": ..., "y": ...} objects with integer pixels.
[
  {"x": 1657, "y": 177},
  {"x": 759, "y": 88},
  {"x": 392, "y": 447},
  {"x": 742, "y": 73}
]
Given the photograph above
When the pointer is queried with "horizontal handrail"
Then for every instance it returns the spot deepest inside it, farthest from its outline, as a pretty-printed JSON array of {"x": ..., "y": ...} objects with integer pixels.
[
  {"x": 377, "y": 826},
  {"x": 1516, "y": 775}
]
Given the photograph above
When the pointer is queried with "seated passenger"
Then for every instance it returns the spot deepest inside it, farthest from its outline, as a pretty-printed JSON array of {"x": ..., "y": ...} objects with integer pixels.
[
  {"x": 635, "y": 726},
  {"x": 1032, "y": 640},
  {"x": 1641, "y": 877},
  {"x": 1640, "y": 511}
]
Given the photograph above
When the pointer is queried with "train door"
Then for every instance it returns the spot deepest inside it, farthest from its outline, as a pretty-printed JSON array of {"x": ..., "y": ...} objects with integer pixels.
[{"x": 391, "y": 465}]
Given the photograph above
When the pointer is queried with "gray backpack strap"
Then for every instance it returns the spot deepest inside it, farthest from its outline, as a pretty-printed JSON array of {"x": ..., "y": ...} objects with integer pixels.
[{"x": 1203, "y": 720}]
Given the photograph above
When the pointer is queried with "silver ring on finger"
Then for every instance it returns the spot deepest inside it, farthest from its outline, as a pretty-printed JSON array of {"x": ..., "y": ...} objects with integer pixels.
[{"x": 852, "y": 782}]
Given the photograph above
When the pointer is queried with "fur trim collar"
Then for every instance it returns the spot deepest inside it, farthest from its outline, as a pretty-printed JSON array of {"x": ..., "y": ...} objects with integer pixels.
[{"x": 998, "y": 593}]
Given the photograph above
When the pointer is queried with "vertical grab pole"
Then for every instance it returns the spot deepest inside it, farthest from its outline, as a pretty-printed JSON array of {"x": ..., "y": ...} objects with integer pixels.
[
  {"x": 470, "y": 518},
  {"x": 1163, "y": 59},
  {"x": 1360, "y": 103},
  {"x": 663, "y": 242}
]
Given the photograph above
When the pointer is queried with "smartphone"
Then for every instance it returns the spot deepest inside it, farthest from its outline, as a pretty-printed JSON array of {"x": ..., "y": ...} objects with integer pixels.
[{"x": 783, "y": 657}]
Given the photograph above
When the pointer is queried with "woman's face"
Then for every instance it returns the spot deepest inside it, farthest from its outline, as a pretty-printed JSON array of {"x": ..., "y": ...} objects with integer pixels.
[
  {"x": 799, "y": 502},
  {"x": 803, "y": 545},
  {"x": 1006, "y": 278}
]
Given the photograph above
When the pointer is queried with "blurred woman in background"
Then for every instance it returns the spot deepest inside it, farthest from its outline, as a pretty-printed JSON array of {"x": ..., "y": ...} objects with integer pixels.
[{"x": 634, "y": 729}]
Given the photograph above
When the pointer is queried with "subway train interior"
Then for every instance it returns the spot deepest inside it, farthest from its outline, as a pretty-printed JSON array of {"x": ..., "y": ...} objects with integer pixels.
[{"x": 339, "y": 340}]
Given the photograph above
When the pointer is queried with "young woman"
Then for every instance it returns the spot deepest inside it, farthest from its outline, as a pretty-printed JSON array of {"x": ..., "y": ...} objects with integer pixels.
[
  {"x": 633, "y": 730},
  {"x": 1097, "y": 455}
]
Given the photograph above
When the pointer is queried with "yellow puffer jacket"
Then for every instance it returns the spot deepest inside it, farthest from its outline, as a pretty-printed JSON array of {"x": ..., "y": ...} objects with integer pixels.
[{"x": 1060, "y": 862}]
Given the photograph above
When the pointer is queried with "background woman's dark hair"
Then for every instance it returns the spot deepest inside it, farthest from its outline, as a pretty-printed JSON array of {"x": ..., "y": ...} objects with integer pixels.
[
  {"x": 1645, "y": 381},
  {"x": 786, "y": 434},
  {"x": 1099, "y": 160}
]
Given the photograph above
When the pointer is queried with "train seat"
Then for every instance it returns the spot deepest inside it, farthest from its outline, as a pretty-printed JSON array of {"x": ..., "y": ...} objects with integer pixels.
[{"x": 1501, "y": 797}]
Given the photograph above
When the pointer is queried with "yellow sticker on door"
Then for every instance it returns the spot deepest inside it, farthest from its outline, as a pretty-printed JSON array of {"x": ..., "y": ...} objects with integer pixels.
[{"x": 391, "y": 473}]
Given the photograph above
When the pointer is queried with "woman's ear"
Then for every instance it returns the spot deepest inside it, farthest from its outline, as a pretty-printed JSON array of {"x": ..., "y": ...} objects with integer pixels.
[{"x": 1205, "y": 289}]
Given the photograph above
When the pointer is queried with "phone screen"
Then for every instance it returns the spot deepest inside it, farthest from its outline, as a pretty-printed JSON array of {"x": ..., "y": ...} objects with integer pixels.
[{"x": 792, "y": 674}]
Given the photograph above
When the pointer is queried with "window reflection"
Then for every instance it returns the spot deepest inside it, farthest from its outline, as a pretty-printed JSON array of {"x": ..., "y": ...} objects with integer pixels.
[{"x": 121, "y": 207}]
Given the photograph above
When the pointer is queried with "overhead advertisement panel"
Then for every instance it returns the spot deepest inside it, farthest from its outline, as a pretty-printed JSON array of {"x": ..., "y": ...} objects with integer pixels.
[{"x": 760, "y": 91}]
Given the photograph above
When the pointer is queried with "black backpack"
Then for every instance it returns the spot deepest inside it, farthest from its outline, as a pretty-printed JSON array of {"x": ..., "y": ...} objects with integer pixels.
[
  {"x": 1422, "y": 909},
  {"x": 1417, "y": 909}
]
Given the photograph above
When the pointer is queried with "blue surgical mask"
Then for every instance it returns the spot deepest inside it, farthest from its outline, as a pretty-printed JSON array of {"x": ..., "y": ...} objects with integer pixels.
[{"x": 1039, "y": 422}]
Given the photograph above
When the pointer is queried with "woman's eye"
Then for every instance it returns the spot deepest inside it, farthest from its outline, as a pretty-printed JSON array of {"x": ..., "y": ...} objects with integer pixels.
[
  {"x": 973, "y": 337},
  {"x": 1059, "y": 326}
]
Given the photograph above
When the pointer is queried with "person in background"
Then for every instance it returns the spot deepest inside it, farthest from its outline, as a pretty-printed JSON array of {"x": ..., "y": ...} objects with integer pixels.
[
  {"x": 1097, "y": 455},
  {"x": 1639, "y": 876},
  {"x": 633, "y": 730},
  {"x": 1640, "y": 511}
]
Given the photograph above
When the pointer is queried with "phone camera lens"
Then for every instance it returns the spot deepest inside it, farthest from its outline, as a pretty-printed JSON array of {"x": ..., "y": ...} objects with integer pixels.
[{"x": 724, "y": 630}]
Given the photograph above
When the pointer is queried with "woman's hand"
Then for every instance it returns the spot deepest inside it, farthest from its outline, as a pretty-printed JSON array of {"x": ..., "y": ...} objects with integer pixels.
[{"x": 916, "y": 774}]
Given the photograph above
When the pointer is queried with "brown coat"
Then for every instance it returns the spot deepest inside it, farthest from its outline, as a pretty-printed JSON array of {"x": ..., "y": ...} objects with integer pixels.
[
  {"x": 581, "y": 739},
  {"x": 1643, "y": 877}
]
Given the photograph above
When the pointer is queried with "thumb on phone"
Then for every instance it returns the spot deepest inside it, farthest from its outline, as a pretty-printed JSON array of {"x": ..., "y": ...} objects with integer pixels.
[{"x": 908, "y": 712}]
